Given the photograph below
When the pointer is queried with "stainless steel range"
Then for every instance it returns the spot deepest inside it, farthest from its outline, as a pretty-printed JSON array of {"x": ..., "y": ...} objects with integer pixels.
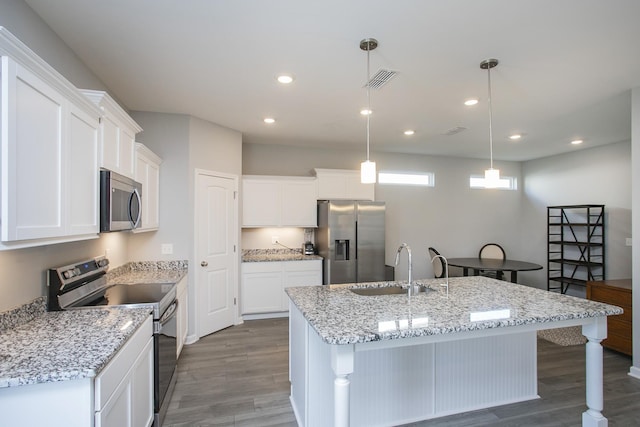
[{"x": 84, "y": 285}]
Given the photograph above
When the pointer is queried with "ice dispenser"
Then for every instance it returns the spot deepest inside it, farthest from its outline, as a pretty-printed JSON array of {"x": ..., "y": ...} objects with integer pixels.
[{"x": 341, "y": 250}]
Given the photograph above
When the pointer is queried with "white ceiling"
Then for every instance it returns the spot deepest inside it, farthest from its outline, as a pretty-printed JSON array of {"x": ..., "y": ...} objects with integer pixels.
[{"x": 566, "y": 68}]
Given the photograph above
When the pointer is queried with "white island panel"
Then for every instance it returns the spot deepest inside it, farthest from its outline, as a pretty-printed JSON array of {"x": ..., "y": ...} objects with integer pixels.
[{"x": 387, "y": 360}]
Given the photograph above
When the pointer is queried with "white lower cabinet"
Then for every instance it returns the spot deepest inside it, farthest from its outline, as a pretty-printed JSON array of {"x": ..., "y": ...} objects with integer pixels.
[
  {"x": 263, "y": 283},
  {"x": 182, "y": 315},
  {"x": 124, "y": 390},
  {"x": 121, "y": 395}
]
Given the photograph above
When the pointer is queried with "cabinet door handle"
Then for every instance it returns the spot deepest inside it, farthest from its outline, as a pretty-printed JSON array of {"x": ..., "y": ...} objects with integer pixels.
[{"x": 204, "y": 263}]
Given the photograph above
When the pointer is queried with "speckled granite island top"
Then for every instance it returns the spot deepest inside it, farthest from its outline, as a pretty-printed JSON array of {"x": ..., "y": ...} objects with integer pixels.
[
  {"x": 340, "y": 316},
  {"x": 273, "y": 255},
  {"x": 65, "y": 345}
]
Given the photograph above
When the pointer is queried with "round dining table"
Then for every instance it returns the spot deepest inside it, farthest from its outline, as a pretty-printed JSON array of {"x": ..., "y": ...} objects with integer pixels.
[{"x": 490, "y": 264}]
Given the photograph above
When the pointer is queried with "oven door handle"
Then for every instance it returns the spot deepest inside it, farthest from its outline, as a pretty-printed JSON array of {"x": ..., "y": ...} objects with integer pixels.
[{"x": 169, "y": 313}]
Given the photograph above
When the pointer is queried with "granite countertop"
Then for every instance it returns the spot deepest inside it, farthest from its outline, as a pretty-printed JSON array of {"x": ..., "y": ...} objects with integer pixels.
[
  {"x": 148, "y": 272},
  {"x": 38, "y": 346},
  {"x": 271, "y": 255},
  {"x": 65, "y": 345},
  {"x": 340, "y": 316}
]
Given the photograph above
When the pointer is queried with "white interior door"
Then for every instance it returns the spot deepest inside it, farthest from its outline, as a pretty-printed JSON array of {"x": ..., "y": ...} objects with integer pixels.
[{"x": 216, "y": 268}]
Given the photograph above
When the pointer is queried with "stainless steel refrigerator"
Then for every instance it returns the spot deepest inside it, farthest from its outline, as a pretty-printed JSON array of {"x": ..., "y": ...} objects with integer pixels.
[{"x": 350, "y": 238}]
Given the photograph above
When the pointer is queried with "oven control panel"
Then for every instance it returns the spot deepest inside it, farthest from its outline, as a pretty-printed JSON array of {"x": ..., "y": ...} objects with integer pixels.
[
  {"x": 76, "y": 281},
  {"x": 77, "y": 271}
]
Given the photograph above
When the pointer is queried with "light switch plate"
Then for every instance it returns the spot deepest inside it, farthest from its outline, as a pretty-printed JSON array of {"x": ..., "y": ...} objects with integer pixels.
[{"x": 628, "y": 241}]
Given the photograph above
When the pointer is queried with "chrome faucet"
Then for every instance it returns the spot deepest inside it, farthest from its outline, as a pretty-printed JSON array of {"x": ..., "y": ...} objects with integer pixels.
[
  {"x": 446, "y": 271},
  {"x": 405, "y": 246}
]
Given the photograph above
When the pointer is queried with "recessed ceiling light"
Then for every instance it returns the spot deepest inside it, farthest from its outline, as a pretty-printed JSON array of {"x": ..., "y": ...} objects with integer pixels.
[
  {"x": 576, "y": 142},
  {"x": 285, "y": 79},
  {"x": 409, "y": 132},
  {"x": 515, "y": 137},
  {"x": 269, "y": 120},
  {"x": 470, "y": 102},
  {"x": 365, "y": 112}
]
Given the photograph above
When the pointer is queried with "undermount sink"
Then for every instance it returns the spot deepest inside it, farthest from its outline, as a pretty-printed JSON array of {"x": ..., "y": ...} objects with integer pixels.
[{"x": 386, "y": 290}]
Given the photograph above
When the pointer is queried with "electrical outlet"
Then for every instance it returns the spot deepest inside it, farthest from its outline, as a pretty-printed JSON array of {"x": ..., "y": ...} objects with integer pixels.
[
  {"x": 166, "y": 248},
  {"x": 274, "y": 240},
  {"x": 107, "y": 252},
  {"x": 628, "y": 241}
]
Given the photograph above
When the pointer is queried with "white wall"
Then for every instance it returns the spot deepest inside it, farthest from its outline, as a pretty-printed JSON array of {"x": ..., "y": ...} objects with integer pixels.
[
  {"x": 600, "y": 175},
  {"x": 635, "y": 152}
]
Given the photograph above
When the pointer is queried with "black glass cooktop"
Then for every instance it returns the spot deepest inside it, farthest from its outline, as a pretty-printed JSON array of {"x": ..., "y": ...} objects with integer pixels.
[{"x": 159, "y": 295}]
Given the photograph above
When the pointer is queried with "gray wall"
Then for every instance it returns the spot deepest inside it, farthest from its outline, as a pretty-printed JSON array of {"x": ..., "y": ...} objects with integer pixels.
[
  {"x": 600, "y": 175},
  {"x": 167, "y": 135},
  {"x": 450, "y": 217},
  {"x": 27, "y": 26},
  {"x": 22, "y": 271},
  {"x": 185, "y": 144},
  {"x": 457, "y": 220}
]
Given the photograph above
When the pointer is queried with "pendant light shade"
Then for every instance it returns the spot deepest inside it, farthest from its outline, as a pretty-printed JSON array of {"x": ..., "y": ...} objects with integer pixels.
[
  {"x": 368, "y": 172},
  {"x": 368, "y": 168},
  {"x": 491, "y": 175}
]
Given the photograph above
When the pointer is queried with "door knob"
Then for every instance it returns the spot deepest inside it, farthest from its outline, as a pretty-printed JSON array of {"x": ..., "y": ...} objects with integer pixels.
[{"x": 204, "y": 263}]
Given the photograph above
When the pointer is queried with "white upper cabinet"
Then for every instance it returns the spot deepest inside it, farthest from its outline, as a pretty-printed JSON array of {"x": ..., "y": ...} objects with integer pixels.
[
  {"x": 117, "y": 135},
  {"x": 82, "y": 173},
  {"x": 340, "y": 184},
  {"x": 148, "y": 174},
  {"x": 276, "y": 201},
  {"x": 49, "y": 180}
]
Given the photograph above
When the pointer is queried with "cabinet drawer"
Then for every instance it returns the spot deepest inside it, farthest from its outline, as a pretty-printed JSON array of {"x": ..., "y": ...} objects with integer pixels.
[
  {"x": 626, "y": 317},
  {"x": 261, "y": 267},
  {"x": 610, "y": 296},
  {"x": 618, "y": 343},
  {"x": 617, "y": 326},
  {"x": 310, "y": 265},
  {"x": 111, "y": 376}
]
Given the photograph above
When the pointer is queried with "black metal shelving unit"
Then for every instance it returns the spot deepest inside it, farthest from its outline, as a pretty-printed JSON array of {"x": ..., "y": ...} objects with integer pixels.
[{"x": 575, "y": 246}]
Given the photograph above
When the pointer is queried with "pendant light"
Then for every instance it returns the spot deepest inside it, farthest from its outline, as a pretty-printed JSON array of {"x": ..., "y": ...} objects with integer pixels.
[
  {"x": 491, "y": 175},
  {"x": 368, "y": 168}
]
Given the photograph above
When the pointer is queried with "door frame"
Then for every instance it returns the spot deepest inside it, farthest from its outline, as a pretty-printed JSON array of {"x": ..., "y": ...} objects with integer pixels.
[{"x": 195, "y": 336}]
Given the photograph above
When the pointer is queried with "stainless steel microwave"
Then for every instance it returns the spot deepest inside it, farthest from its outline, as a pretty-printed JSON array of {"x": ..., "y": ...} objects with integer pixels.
[{"x": 120, "y": 202}]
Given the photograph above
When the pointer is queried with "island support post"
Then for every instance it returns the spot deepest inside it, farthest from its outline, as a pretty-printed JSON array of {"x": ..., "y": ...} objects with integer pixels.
[
  {"x": 595, "y": 332},
  {"x": 342, "y": 357}
]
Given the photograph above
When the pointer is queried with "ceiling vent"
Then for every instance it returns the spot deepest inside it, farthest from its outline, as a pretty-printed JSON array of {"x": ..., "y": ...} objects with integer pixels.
[
  {"x": 380, "y": 78},
  {"x": 455, "y": 130}
]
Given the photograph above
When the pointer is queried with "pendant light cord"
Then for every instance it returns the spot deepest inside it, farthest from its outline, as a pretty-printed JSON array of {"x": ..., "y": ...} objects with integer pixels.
[
  {"x": 368, "y": 100},
  {"x": 490, "y": 119}
]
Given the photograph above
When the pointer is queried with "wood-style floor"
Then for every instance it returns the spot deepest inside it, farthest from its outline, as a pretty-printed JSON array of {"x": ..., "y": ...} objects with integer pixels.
[{"x": 239, "y": 377}]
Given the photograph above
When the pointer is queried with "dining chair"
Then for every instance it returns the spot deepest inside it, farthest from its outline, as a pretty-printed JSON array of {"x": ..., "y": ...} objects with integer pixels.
[
  {"x": 492, "y": 251},
  {"x": 438, "y": 264}
]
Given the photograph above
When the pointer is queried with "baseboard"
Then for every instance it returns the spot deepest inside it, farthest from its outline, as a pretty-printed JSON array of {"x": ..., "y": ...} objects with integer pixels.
[
  {"x": 634, "y": 372},
  {"x": 266, "y": 315},
  {"x": 191, "y": 339}
]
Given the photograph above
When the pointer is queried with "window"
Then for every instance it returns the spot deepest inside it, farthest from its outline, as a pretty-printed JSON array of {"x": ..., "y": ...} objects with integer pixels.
[
  {"x": 506, "y": 182},
  {"x": 425, "y": 179}
]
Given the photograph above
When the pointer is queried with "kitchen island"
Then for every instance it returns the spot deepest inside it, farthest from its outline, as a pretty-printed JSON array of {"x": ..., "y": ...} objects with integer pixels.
[{"x": 387, "y": 360}]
